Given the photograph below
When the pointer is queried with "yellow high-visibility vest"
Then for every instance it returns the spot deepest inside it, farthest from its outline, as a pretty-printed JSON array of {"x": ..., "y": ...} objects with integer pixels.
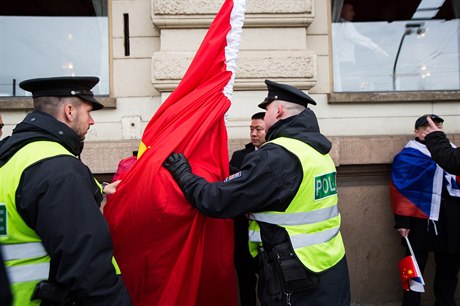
[
  {"x": 26, "y": 260},
  {"x": 312, "y": 219}
]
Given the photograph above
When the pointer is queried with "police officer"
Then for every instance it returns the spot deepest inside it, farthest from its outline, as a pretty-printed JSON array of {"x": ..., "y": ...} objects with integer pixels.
[
  {"x": 56, "y": 243},
  {"x": 5, "y": 294},
  {"x": 293, "y": 208}
]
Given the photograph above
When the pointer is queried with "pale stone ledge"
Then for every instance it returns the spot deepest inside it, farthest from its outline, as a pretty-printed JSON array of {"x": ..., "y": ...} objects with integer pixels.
[
  {"x": 365, "y": 150},
  {"x": 398, "y": 97},
  {"x": 296, "y": 67},
  {"x": 103, "y": 156},
  {"x": 200, "y": 7},
  {"x": 200, "y": 13},
  {"x": 17, "y": 103}
]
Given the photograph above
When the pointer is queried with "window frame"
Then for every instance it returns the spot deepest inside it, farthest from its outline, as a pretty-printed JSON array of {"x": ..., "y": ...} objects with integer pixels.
[
  {"x": 443, "y": 96},
  {"x": 18, "y": 103}
]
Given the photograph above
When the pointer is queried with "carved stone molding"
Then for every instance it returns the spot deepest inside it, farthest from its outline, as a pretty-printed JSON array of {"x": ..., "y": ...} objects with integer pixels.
[
  {"x": 103, "y": 156},
  {"x": 259, "y": 13},
  {"x": 299, "y": 68},
  {"x": 26, "y": 103}
]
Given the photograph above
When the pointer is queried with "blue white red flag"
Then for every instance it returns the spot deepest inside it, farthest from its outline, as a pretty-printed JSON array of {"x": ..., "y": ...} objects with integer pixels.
[
  {"x": 416, "y": 183},
  {"x": 453, "y": 185}
]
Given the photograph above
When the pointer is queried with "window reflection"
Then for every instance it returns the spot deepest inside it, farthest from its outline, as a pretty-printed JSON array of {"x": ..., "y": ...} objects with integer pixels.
[
  {"x": 46, "y": 38},
  {"x": 420, "y": 52}
]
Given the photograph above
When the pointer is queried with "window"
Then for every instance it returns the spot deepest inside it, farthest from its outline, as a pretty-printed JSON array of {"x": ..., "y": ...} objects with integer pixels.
[
  {"x": 47, "y": 38},
  {"x": 394, "y": 45}
]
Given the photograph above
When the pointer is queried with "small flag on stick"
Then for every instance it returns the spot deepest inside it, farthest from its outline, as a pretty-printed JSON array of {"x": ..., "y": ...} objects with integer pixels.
[{"x": 411, "y": 277}]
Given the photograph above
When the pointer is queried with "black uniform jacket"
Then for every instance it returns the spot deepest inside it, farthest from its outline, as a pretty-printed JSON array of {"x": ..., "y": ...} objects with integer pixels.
[
  {"x": 438, "y": 236},
  {"x": 443, "y": 153},
  {"x": 237, "y": 157},
  {"x": 59, "y": 199},
  {"x": 244, "y": 263},
  {"x": 5, "y": 293},
  {"x": 268, "y": 180}
]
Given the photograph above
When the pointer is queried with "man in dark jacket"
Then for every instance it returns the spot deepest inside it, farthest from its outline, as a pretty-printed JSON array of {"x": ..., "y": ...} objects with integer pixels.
[
  {"x": 440, "y": 148},
  {"x": 5, "y": 293},
  {"x": 437, "y": 232},
  {"x": 257, "y": 134},
  {"x": 1, "y": 125},
  {"x": 1, "y": 130},
  {"x": 295, "y": 222},
  {"x": 55, "y": 230},
  {"x": 246, "y": 266}
]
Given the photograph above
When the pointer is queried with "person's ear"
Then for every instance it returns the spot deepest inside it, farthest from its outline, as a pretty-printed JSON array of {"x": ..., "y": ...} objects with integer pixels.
[
  {"x": 279, "y": 111},
  {"x": 69, "y": 112}
]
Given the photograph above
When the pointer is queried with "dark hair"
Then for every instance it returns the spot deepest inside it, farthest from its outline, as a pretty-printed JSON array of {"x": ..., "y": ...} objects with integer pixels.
[
  {"x": 50, "y": 105},
  {"x": 259, "y": 115}
]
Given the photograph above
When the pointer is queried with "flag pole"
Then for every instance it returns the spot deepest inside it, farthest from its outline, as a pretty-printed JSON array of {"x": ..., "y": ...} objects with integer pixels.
[
  {"x": 409, "y": 246},
  {"x": 419, "y": 273}
]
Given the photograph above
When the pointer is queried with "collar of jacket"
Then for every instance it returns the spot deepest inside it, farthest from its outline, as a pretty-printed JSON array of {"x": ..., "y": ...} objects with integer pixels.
[
  {"x": 303, "y": 127},
  {"x": 36, "y": 126}
]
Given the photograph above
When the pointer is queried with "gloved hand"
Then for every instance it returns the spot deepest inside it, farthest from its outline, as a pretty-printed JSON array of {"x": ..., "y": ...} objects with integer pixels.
[{"x": 179, "y": 167}]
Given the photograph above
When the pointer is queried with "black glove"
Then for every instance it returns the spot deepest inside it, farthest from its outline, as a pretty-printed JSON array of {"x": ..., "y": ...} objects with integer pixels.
[{"x": 179, "y": 167}]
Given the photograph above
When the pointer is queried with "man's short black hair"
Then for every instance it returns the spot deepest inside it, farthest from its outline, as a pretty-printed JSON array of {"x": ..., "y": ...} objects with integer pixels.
[{"x": 259, "y": 115}]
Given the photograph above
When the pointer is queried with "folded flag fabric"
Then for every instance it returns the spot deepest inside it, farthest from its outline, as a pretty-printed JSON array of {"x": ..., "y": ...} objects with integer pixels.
[
  {"x": 168, "y": 253},
  {"x": 411, "y": 278},
  {"x": 123, "y": 167},
  {"x": 416, "y": 183},
  {"x": 409, "y": 271},
  {"x": 453, "y": 183}
]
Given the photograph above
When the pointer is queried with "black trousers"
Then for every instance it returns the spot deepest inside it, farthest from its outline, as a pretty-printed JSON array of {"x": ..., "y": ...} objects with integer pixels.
[
  {"x": 247, "y": 283},
  {"x": 246, "y": 266},
  {"x": 445, "y": 280},
  {"x": 333, "y": 289}
]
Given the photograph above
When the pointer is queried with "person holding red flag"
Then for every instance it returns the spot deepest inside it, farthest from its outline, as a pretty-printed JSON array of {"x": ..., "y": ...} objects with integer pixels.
[
  {"x": 426, "y": 206},
  {"x": 294, "y": 217}
]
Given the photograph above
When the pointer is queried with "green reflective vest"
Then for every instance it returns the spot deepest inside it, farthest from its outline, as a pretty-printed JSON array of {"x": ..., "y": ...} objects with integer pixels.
[
  {"x": 26, "y": 259},
  {"x": 312, "y": 219}
]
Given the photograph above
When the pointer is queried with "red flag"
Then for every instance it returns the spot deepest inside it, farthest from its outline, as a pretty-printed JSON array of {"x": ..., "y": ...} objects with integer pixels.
[
  {"x": 123, "y": 167},
  {"x": 411, "y": 277},
  {"x": 169, "y": 254},
  {"x": 407, "y": 270}
]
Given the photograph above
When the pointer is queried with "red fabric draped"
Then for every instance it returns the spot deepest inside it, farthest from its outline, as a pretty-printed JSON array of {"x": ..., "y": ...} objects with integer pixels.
[{"x": 170, "y": 254}]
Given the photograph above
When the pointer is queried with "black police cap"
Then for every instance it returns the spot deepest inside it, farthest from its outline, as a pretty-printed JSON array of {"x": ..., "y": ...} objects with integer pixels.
[
  {"x": 421, "y": 121},
  {"x": 64, "y": 87},
  {"x": 277, "y": 91}
]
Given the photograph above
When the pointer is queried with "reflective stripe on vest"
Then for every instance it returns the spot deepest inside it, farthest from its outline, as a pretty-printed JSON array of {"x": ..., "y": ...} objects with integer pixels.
[
  {"x": 27, "y": 273},
  {"x": 312, "y": 219},
  {"x": 23, "y": 250},
  {"x": 301, "y": 240},
  {"x": 297, "y": 218}
]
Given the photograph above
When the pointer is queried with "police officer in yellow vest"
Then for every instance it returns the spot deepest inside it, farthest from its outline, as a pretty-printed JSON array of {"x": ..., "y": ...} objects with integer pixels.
[
  {"x": 55, "y": 241},
  {"x": 288, "y": 190}
]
